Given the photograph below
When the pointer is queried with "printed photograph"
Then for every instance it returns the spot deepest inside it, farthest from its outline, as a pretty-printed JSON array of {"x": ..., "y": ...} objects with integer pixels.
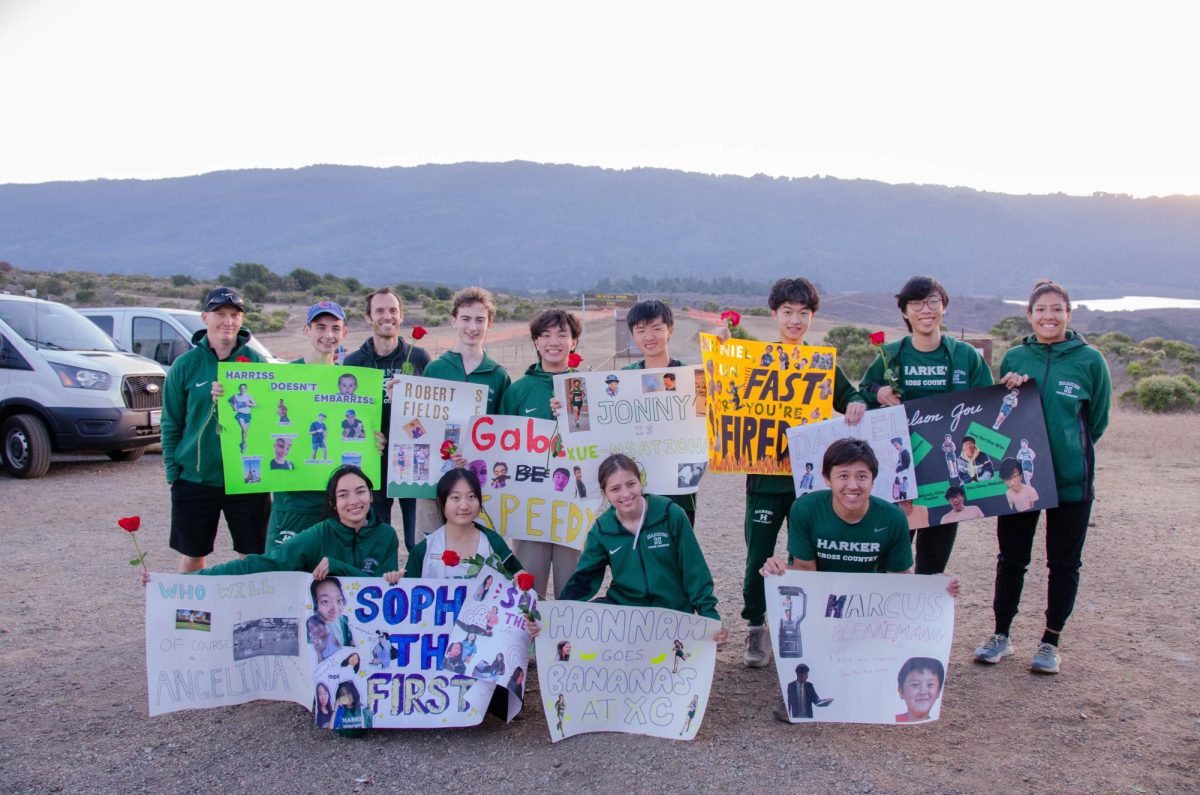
[
  {"x": 252, "y": 469},
  {"x": 199, "y": 620},
  {"x": 278, "y": 636},
  {"x": 414, "y": 429},
  {"x": 576, "y": 403},
  {"x": 690, "y": 474}
]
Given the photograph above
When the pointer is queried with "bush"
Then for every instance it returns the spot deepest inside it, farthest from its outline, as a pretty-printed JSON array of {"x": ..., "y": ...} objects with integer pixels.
[
  {"x": 255, "y": 291},
  {"x": 86, "y": 295},
  {"x": 845, "y": 336},
  {"x": 758, "y": 311},
  {"x": 1168, "y": 393},
  {"x": 304, "y": 278},
  {"x": 739, "y": 333},
  {"x": 54, "y": 286},
  {"x": 182, "y": 280},
  {"x": 264, "y": 324},
  {"x": 1153, "y": 343},
  {"x": 443, "y": 293},
  {"x": 854, "y": 359},
  {"x": 1012, "y": 328},
  {"x": 1140, "y": 370},
  {"x": 1176, "y": 349}
]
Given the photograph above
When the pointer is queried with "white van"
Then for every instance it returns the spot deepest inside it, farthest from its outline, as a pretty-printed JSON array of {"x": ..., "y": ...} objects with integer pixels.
[
  {"x": 159, "y": 334},
  {"x": 66, "y": 387}
]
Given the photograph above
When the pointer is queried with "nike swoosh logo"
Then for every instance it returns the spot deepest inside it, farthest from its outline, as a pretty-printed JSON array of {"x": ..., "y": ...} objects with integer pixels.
[
  {"x": 530, "y": 411},
  {"x": 200, "y": 384},
  {"x": 614, "y": 551},
  {"x": 880, "y": 529}
]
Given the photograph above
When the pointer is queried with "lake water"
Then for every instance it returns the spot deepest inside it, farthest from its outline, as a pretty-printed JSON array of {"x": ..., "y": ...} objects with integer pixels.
[{"x": 1129, "y": 303}]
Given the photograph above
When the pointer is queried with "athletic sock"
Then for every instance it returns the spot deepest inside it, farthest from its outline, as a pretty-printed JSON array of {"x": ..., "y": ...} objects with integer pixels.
[{"x": 1050, "y": 637}]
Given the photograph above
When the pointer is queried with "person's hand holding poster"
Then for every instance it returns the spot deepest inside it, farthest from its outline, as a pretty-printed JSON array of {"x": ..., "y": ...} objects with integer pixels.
[
  {"x": 650, "y": 415},
  {"x": 287, "y": 427},
  {"x": 642, "y": 670},
  {"x": 428, "y": 417},
  {"x": 885, "y": 429},
  {"x": 534, "y": 486},
  {"x": 754, "y": 392},
  {"x": 860, "y": 648}
]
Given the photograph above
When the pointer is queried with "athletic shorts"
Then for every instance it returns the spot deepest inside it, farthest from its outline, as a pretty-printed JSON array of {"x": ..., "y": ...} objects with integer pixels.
[{"x": 196, "y": 510}]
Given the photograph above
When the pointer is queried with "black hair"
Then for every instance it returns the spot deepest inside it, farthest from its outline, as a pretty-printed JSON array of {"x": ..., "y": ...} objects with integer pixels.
[
  {"x": 450, "y": 480},
  {"x": 969, "y": 438},
  {"x": 919, "y": 288},
  {"x": 312, "y": 590},
  {"x": 350, "y": 689},
  {"x": 555, "y": 318},
  {"x": 649, "y": 311},
  {"x": 929, "y": 664},
  {"x": 801, "y": 669},
  {"x": 613, "y": 464},
  {"x": 897, "y": 440},
  {"x": 328, "y": 698},
  {"x": 331, "y": 486},
  {"x": 797, "y": 291},
  {"x": 955, "y": 491},
  {"x": 566, "y": 472},
  {"x": 559, "y": 649},
  {"x": 845, "y": 452},
  {"x": 1009, "y": 467},
  {"x": 1043, "y": 287}
]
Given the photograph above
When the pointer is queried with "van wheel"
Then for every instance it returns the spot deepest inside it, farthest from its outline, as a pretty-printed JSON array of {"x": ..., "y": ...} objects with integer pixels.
[
  {"x": 126, "y": 455},
  {"x": 26, "y": 449}
]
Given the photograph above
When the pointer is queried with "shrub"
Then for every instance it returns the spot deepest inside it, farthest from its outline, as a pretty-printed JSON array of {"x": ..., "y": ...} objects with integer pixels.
[
  {"x": 182, "y": 280},
  {"x": 1139, "y": 370},
  {"x": 1167, "y": 393},
  {"x": 844, "y": 336},
  {"x": 1153, "y": 343},
  {"x": 758, "y": 311},
  {"x": 255, "y": 291},
  {"x": 739, "y": 333},
  {"x": 1176, "y": 349},
  {"x": 86, "y": 295},
  {"x": 443, "y": 293},
  {"x": 854, "y": 359}
]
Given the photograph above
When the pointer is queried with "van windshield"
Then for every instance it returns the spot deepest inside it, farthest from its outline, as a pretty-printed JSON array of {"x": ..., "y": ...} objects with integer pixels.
[{"x": 56, "y": 327}]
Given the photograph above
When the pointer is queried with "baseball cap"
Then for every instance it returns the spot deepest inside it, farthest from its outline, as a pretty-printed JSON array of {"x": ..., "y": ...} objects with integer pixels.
[
  {"x": 612, "y": 378},
  {"x": 325, "y": 308},
  {"x": 224, "y": 296}
]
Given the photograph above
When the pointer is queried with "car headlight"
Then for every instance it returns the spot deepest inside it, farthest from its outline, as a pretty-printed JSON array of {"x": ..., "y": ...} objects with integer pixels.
[{"x": 81, "y": 377}]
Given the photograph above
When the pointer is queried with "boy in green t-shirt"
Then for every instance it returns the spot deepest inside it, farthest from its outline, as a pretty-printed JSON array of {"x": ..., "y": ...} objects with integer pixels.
[{"x": 793, "y": 302}]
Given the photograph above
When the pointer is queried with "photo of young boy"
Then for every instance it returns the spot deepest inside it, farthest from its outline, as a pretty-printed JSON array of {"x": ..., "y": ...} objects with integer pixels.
[
  {"x": 347, "y": 384},
  {"x": 1020, "y": 495},
  {"x": 919, "y": 684},
  {"x": 283, "y": 446}
]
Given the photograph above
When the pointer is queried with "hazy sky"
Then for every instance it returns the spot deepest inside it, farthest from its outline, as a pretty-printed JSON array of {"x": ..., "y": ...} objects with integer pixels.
[{"x": 1020, "y": 97}]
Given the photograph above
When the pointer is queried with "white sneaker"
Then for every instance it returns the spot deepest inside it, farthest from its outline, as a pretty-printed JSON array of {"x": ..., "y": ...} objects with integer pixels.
[
  {"x": 755, "y": 655},
  {"x": 994, "y": 649},
  {"x": 1045, "y": 659}
]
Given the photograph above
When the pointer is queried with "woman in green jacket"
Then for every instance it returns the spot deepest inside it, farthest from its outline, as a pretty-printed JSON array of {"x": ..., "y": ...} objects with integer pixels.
[
  {"x": 648, "y": 543},
  {"x": 926, "y": 362},
  {"x": 1075, "y": 389}
]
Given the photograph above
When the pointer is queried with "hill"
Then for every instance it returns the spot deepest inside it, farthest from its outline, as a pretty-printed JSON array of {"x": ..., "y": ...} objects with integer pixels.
[{"x": 525, "y": 226}]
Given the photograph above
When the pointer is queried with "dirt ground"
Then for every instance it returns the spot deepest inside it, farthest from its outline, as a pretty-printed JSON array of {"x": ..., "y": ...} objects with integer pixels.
[{"x": 1122, "y": 717}]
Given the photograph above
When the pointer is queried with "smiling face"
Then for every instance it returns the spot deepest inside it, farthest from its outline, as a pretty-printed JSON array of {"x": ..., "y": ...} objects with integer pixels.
[
  {"x": 969, "y": 449},
  {"x": 1050, "y": 318},
  {"x": 792, "y": 321},
  {"x": 651, "y": 337},
  {"x": 384, "y": 316},
  {"x": 623, "y": 489},
  {"x": 919, "y": 692},
  {"x": 353, "y": 500},
  {"x": 554, "y": 345},
  {"x": 281, "y": 447},
  {"x": 1015, "y": 481},
  {"x": 318, "y": 635},
  {"x": 956, "y": 502},
  {"x": 325, "y": 333},
  {"x": 925, "y": 314},
  {"x": 329, "y": 602},
  {"x": 223, "y": 325},
  {"x": 471, "y": 324},
  {"x": 322, "y": 698},
  {"x": 560, "y": 479},
  {"x": 851, "y": 487},
  {"x": 462, "y": 507}
]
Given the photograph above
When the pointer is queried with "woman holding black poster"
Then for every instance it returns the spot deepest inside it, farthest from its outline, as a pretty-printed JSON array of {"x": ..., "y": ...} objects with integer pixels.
[
  {"x": 926, "y": 362},
  {"x": 1075, "y": 388}
]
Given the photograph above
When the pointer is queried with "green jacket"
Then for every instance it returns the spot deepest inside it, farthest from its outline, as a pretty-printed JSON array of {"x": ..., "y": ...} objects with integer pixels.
[
  {"x": 1072, "y": 378},
  {"x": 844, "y": 394},
  {"x": 957, "y": 366},
  {"x": 370, "y": 552},
  {"x": 508, "y": 561},
  {"x": 529, "y": 396},
  {"x": 449, "y": 367},
  {"x": 191, "y": 448},
  {"x": 667, "y": 568},
  {"x": 640, "y": 364}
]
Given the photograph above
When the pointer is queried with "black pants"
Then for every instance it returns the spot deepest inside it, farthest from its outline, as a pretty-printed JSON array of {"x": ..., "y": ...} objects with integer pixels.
[
  {"x": 1066, "y": 529},
  {"x": 408, "y": 514},
  {"x": 934, "y": 545}
]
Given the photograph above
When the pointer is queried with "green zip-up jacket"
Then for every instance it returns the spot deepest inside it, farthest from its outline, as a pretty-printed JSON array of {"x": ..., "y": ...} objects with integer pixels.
[
  {"x": 529, "y": 395},
  {"x": 191, "y": 448},
  {"x": 370, "y": 552},
  {"x": 449, "y": 367},
  {"x": 665, "y": 569},
  {"x": 1072, "y": 378},
  {"x": 641, "y": 364},
  {"x": 844, "y": 394},
  {"x": 954, "y": 367}
]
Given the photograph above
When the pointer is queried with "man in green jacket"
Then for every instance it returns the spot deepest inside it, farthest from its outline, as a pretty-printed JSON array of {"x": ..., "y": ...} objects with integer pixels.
[
  {"x": 926, "y": 362},
  {"x": 793, "y": 303},
  {"x": 471, "y": 315},
  {"x": 191, "y": 449}
]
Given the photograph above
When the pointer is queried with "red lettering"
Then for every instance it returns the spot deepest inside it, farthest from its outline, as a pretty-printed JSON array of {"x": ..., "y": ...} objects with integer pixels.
[{"x": 483, "y": 440}]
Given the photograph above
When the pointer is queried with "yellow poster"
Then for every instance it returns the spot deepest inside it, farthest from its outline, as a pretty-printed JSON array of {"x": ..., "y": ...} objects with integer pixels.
[{"x": 755, "y": 391}]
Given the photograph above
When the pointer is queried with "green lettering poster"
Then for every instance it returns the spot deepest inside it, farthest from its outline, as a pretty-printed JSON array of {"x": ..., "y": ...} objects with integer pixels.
[{"x": 287, "y": 427}]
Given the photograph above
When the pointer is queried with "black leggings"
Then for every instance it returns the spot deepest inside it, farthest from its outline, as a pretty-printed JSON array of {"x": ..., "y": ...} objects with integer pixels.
[
  {"x": 1066, "y": 529},
  {"x": 934, "y": 545}
]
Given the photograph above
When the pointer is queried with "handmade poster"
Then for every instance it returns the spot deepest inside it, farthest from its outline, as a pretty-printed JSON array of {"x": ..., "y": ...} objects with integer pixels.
[
  {"x": 755, "y": 391},
  {"x": 641, "y": 670},
  {"x": 885, "y": 429},
  {"x": 860, "y": 648},
  {"x": 650, "y": 415},
  {"x": 978, "y": 453},
  {"x": 357, "y": 652},
  {"x": 427, "y": 414},
  {"x": 490, "y": 641},
  {"x": 287, "y": 427},
  {"x": 534, "y": 486}
]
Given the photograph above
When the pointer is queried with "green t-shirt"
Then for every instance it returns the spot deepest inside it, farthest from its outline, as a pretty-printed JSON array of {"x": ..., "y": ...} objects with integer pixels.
[{"x": 815, "y": 532}]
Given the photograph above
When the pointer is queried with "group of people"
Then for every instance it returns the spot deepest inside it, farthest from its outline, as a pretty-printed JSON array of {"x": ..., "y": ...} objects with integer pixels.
[{"x": 346, "y": 531}]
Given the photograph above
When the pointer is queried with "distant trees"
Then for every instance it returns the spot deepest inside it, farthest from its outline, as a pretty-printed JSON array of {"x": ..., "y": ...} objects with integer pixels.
[
  {"x": 854, "y": 350},
  {"x": 304, "y": 278}
]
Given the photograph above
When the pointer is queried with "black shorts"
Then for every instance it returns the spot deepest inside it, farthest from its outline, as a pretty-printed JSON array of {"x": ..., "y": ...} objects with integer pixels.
[{"x": 196, "y": 509}]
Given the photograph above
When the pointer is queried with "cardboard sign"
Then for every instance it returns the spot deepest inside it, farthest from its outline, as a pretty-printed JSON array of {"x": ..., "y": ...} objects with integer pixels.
[{"x": 426, "y": 413}]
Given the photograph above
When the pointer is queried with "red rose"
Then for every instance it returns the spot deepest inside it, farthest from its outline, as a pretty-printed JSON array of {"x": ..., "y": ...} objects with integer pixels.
[
  {"x": 574, "y": 360},
  {"x": 731, "y": 318},
  {"x": 524, "y": 581},
  {"x": 418, "y": 332},
  {"x": 450, "y": 558},
  {"x": 243, "y": 359},
  {"x": 877, "y": 338},
  {"x": 448, "y": 450},
  {"x": 130, "y": 524}
]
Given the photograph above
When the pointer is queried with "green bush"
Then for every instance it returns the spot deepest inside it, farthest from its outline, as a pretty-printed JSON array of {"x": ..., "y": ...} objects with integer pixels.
[
  {"x": 182, "y": 280},
  {"x": 1175, "y": 349},
  {"x": 1166, "y": 393},
  {"x": 1012, "y": 328},
  {"x": 443, "y": 293},
  {"x": 739, "y": 333},
  {"x": 264, "y": 324},
  {"x": 1153, "y": 343},
  {"x": 845, "y": 336},
  {"x": 758, "y": 311},
  {"x": 255, "y": 291},
  {"x": 854, "y": 359},
  {"x": 1140, "y": 370},
  {"x": 86, "y": 295}
]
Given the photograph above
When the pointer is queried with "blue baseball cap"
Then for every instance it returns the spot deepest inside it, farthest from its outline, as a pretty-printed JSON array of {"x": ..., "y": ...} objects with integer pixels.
[{"x": 325, "y": 308}]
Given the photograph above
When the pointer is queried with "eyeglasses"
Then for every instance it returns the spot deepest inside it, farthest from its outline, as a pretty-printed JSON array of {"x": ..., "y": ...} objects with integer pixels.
[{"x": 932, "y": 302}]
